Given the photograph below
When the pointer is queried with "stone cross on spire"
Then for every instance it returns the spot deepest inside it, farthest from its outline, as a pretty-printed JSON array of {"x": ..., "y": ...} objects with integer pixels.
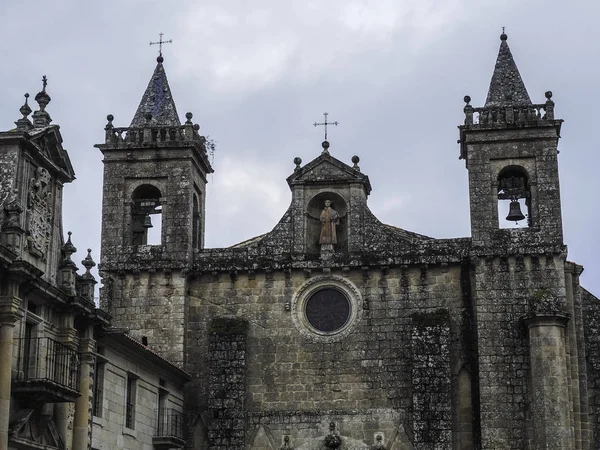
[
  {"x": 325, "y": 123},
  {"x": 325, "y": 143},
  {"x": 160, "y": 43}
]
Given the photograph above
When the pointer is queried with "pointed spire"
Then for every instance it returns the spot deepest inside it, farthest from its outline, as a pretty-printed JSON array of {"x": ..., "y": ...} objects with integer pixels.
[
  {"x": 157, "y": 102},
  {"x": 506, "y": 87}
]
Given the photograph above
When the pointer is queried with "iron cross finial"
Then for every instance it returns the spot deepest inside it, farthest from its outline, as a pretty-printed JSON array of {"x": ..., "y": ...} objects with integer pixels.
[
  {"x": 503, "y": 29},
  {"x": 44, "y": 83},
  {"x": 160, "y": 43},
  {"x": 325, "y": 123}
]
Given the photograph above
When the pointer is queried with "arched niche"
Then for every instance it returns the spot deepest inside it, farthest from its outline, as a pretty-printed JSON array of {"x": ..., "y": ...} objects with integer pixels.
[{"x": 314, "y": 208}]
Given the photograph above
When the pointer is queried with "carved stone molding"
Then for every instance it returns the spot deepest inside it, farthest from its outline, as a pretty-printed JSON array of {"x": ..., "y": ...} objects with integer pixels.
[
  {"x": 39, "y": 212},
  {"x": 546, "y": 307}
]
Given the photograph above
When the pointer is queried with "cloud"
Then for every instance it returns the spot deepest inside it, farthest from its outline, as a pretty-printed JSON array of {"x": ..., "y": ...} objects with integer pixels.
[
  {"x": 257, "y": 74},
  {"x": 236, "y": 214},
  {"x": 250, "y": 48}
]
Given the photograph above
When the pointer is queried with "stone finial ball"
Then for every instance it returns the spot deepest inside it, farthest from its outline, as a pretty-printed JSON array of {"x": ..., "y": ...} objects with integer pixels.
[
  {"x": 548, "y": 94},
  {"x": 189, "y": 115},
  {"x": 355, "y": 159},
  {"x": 325, "y": 145},
  {"x": 503, "y": 37},
  {"x": 297, "y": 160},
  {"x": 160, "y": 59},
  {"x": 467, "y": 99},
  {"x": 196, "y": 127},
  {"x": 110, "y": 117}
]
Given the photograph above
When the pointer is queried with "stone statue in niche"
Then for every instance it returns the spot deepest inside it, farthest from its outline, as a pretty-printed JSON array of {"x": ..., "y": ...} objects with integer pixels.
[
  {"x": 39, "y": 212},
  {"x": 330, "y": 219}
]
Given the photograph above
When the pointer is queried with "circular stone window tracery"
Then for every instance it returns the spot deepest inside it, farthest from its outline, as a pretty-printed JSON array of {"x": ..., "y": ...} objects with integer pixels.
[{"x": 327, "y": 308}]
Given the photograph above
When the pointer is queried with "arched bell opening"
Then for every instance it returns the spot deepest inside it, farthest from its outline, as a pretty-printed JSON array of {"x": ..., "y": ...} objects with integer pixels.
[
  {"x": 514, "y": 198},
  {"x": 146, "y": 216}
]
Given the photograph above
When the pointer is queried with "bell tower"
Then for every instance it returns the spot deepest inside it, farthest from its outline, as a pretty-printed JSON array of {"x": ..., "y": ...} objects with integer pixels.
[
  {"x": 510, "y": 148},
  {"x": 152, "y": 217},
  {"x": 520, "y": 302}
]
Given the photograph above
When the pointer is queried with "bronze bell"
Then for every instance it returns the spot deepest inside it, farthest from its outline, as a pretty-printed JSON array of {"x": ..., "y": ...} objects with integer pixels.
[
  {"x": 514, "y": 212},
  {"x": 147, "y": 222}
]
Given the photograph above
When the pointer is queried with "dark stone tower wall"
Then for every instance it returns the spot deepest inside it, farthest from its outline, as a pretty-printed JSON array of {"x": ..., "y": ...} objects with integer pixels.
[
  {"x": 155, "y": 170},
  {"x": 520, "y": 295},
  {"x": 488, "y": 151}
]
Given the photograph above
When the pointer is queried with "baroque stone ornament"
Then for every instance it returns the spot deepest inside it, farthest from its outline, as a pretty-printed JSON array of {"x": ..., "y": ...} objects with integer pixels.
[
  {"x": 379, "y": 443},
  {"x": 286, "y": 444},
  {"x": 7, "y": 168},
  {"x": 317, "y": 317},
  {"x": 39, "y": 212},
  {"x": 333, "y": 439}
]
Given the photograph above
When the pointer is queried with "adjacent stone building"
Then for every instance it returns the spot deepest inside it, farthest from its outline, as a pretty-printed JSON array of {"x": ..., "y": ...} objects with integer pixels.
[
  {"x": 61, "y": 361},
  {"x": 138, "y": 397},
  {"x": 47, "y": 311}
]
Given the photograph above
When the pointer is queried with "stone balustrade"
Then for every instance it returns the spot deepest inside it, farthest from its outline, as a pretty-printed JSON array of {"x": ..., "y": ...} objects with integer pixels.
[
  {"x": 151, "y": 134},
  {"x": 489, "y": 116}
]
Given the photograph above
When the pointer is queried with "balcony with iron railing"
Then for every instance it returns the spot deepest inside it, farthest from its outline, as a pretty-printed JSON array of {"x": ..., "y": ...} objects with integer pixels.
[
  {"x": 47, "y": 371},
  {"x": 169, "y": 430}
]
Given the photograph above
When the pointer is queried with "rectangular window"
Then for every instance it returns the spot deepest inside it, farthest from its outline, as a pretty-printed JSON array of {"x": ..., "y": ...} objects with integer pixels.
[
  {"x": 162, "y": 407},
  {"x": 130, "y": 402},
  {"x": 99, "y": 383}
]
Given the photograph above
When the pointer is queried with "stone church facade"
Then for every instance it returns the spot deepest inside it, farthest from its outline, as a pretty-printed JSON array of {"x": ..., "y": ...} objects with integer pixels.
[
  {"x": 334, "y": 330},
  {"x": 334, "y": 327}
]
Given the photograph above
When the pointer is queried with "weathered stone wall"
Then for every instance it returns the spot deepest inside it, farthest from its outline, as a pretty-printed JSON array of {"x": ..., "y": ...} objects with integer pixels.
[
  {"x": 591, "y": 317},
  {"x": 143, "y": 286},
  {"x": 504, "y": 289},
  {"x": 177, "y": 178},
  {"x": 431, "y": 381},
  {"x": 227, "y": 384},
  {"x": 534, "y": 149},
  {"x": 577, "y": 357},
  {"x": 290, "y": 374},
  {"x": 151, "y": 304}
]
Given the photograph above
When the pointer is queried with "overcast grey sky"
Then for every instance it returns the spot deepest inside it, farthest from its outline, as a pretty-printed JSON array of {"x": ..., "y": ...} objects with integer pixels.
[{"x": 256, "y": 74}]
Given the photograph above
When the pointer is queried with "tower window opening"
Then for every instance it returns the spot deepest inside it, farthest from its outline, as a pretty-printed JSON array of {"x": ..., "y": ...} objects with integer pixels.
[
  {"x": 155, "y": 233},
  {"x": 514, "y": 198},
  {"x": 196, "y": 225},
  {"x": 146, "y": 220}
]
